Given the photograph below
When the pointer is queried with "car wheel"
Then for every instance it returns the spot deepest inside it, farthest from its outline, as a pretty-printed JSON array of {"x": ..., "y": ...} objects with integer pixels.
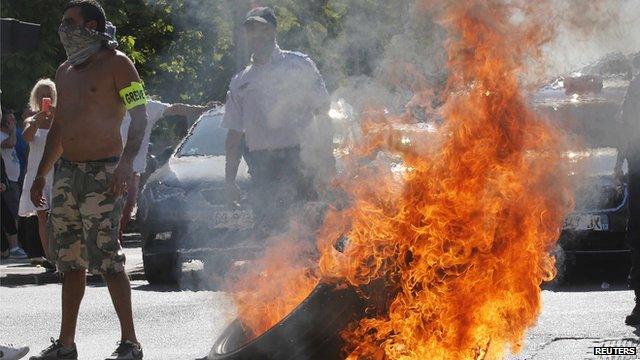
[
  {"x": 162, "y": 262},
  {"x": 562, "y": 270},
  {"x": 311, "y": 331},
  {"x": 162, "y": 269}
]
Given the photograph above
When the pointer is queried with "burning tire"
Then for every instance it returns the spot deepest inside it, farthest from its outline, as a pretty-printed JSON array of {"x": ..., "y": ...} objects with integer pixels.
[{"x": 311, "y": 331}]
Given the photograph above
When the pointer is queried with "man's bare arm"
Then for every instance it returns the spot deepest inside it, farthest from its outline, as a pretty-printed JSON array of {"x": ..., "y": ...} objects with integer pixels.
[
  {"x": 52, "y": 149},
  {"x": 233, "y": 151},
  {"x": 125, "y": 74},
  {"x": 233, "y": 155},
  {"x": 51, "y": 153}
]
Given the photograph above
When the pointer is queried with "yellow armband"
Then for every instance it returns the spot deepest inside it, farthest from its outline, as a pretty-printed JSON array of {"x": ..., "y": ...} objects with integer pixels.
[{"x": 133, "y": 95}]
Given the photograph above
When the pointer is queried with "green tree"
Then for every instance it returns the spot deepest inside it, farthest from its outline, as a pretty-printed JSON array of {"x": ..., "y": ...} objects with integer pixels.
[{"x": 188, "y": 50}]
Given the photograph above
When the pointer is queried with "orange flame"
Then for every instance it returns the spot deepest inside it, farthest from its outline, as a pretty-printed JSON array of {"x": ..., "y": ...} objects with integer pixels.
[
  {"x": 464, "y": 224},
  {"x": 269, "y": 288},
  {"x": 469, "y": 233}
]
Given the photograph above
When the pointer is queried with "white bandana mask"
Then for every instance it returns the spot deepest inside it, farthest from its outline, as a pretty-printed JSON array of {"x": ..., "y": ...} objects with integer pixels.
[{"x": 80, "y": 43}]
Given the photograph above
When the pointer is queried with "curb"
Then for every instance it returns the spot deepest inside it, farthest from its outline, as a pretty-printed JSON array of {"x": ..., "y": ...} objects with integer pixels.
[{"x": 12, "y": 280}]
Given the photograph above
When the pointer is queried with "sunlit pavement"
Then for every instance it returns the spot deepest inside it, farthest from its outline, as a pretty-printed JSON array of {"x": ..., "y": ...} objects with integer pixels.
[
  {"x": 171, "y": 324},
  {"x": 182, "y": 323},
  {"x": 574, "y": 321}
]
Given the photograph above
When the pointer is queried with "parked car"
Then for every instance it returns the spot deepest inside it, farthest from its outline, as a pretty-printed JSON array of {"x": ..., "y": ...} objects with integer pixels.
[
  {"x": 183, "y": 209},
  {"x": 588, "y": 103},
  {"x": 184, "y": 213}
]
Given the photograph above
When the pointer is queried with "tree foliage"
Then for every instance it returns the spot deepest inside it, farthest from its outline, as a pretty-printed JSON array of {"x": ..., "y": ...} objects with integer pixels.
[{"x": 188, "y": 50}]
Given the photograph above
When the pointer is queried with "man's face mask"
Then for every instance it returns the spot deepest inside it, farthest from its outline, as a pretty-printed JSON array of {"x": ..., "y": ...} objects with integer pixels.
[{"x": 80, "y": 43}]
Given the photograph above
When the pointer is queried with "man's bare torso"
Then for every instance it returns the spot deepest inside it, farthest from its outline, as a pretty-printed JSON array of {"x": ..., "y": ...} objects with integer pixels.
[{"x": 89, "y": 109}]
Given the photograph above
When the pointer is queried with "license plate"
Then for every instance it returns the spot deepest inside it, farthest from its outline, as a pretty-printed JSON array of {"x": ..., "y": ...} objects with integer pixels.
[
  {"x": 587, "y": 223},
  {"x": 238, "y": 219}
]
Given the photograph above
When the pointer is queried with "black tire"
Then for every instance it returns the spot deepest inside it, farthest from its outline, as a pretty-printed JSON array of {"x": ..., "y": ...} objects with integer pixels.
[
  {"x": 310, "y": 331},
  {"x": 563, "y": 269},
  {"x": 161, "y": 266},
  {"x": 162, "y": 269}
]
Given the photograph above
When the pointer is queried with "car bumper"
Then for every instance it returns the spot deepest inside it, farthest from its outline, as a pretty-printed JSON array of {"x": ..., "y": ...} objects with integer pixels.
[{"x": 186, "y": 221}]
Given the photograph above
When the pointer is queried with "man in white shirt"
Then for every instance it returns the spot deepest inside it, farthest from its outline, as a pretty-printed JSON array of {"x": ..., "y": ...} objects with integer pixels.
[
  {"x": 279, "y": 104},
  {"x": 156, "y": 110}
]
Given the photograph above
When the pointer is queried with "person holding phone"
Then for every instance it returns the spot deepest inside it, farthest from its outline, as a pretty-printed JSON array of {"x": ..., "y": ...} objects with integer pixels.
[{"x": 42, "y": 101}]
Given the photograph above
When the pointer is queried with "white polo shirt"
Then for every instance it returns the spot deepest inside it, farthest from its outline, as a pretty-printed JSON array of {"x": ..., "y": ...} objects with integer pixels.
[
  {"x": 273, "y": 103},
  {"x": 155, "y": 110}
]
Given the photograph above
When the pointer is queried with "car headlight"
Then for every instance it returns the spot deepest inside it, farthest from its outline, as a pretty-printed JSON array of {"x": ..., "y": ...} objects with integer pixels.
[{"x": 163, "y": 191}]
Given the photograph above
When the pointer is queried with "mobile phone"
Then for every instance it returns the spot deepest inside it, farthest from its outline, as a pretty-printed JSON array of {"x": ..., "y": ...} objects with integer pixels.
[{"x": 46, "y": 104}]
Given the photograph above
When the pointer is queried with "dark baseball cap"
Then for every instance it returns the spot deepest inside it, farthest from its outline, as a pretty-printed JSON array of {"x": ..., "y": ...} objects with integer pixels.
[{"x": 263, "y": 15}]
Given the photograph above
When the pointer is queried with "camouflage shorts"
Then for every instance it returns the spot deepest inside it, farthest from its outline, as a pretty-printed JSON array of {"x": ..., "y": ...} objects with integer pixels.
[{"x": 84, "y": 220}]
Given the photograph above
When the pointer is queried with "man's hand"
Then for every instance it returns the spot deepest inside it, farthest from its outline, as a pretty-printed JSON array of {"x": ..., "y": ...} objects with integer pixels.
[
  {"x": 3, "y": 187},
  {"x": 36, "y": 192},
  {"x": 233, "y": 193},
  {"x": 121, "y": 178}
]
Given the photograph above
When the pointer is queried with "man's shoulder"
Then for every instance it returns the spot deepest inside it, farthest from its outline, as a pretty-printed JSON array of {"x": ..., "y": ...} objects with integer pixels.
[
  {"x": 299, "y": 60},
  {"x": 117, "y": 57}
]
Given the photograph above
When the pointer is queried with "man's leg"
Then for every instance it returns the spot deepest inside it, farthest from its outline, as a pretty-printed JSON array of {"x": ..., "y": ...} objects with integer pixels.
[
  {"x": 67, "y": 249},
  {"x": 73, "y": 285},
  {"x": 120, "y": 291},
  {"x": 102, "y": 213}
]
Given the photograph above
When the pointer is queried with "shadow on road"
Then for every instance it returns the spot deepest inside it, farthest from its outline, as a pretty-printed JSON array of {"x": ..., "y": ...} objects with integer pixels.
[
  {"x": 191, "y": 280},
  {"x": 591, "y": 274}
]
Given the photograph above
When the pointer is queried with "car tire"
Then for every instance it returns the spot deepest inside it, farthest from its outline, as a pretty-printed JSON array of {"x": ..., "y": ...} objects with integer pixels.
[
  {"x": 562, "y": 270},
  {"x": 162, "y": 269},
  {"x": 311, "y": 331},
  {"x": 161, "y": 266}
]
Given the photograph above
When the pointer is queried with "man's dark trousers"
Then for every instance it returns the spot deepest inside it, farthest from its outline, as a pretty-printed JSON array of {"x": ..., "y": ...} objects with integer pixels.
[{"x": 277, "y": 183}]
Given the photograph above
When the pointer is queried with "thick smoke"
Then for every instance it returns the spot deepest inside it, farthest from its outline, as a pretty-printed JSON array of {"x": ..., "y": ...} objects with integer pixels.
[
  {"x": 592, "y": 29},
  {"x": 387, "y": 74}
]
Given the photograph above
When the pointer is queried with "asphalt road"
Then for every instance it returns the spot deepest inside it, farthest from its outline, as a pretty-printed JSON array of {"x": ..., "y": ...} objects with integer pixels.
[
  {"x": 181, "y": 324},
  {"x": 171, "y": 324}
]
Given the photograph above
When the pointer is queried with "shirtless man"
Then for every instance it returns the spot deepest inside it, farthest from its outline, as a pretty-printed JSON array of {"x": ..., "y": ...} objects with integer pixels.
[{"x": 96, "y": 85}]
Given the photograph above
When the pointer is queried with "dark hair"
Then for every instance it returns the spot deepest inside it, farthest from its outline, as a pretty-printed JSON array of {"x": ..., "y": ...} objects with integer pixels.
[
  {"x": 90, "y": 10},
  {"x": 5, "y": 115}
]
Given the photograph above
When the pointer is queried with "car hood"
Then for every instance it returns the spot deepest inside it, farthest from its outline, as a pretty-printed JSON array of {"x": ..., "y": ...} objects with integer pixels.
[
  {"x": 595, "y": 186},
  {"x": 193, "y": 170},
  {"x": 597, "y": 162}
]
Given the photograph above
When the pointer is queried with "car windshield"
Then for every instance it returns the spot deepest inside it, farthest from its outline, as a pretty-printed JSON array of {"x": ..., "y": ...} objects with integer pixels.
[{"x": 206, "y": 139}]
